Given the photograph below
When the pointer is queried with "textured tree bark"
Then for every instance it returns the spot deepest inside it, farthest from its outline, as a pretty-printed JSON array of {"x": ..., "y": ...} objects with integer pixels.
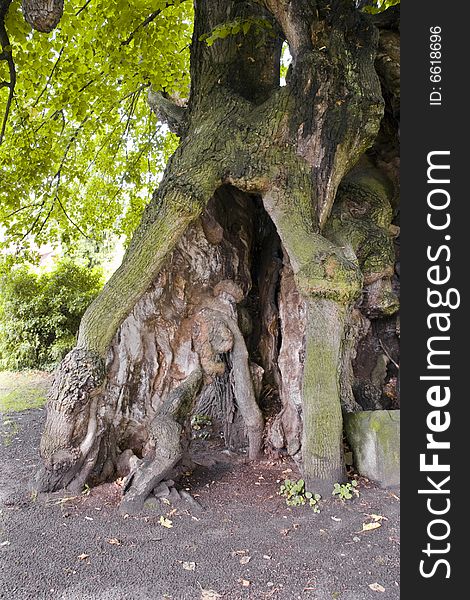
[
  {"x": 322, "y": 460},
  {"x": 239, "y": 282},
  {"x": 43, "y": 15}
]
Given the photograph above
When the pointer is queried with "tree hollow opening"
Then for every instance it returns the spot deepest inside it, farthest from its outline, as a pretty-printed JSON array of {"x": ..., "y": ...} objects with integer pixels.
[{"x": 222, "y": 304}]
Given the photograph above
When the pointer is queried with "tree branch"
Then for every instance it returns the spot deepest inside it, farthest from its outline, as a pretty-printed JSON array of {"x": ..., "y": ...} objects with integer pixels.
[
  {"x": 82, "y": 8},
  {"x": 6, "y": 55},
  {"x": 69, "y": 219},
  {"x": 50, "y": 76},
  {"x": 167, "y": 111},
  {"x": 146, "y": 22},
  {"x": 22, "y": 208}
]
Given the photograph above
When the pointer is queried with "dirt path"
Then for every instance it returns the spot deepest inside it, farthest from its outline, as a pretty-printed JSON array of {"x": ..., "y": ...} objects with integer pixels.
[{"x": 245, "y": 544}]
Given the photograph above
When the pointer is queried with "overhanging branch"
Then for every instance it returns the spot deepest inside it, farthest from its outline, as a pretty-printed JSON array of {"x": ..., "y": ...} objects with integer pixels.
[
  {"x": 146, "y": 22},
  {"x": 6, "y": 55},
  {"x": 167, "y": 111}
]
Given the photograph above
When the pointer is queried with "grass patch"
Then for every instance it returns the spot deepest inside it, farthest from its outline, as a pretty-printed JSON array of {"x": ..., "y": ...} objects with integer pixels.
[{"x": 23, "y": 390}]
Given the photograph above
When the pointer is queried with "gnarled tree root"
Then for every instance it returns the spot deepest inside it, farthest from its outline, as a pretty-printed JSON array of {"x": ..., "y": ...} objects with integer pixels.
[
  {"x": 166, "y": 432},
  {"x": 70, "y": 442}
]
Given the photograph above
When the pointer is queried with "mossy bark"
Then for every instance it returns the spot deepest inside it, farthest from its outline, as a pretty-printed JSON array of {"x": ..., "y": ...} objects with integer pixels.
[
  {"x": 322, "y": 460},
  {"x": 285, "y": 150}
]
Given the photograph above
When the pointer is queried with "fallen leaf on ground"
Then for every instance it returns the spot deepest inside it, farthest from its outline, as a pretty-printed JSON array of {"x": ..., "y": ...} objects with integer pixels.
[
  {"x": 267, "y": 557},
  {"x": 245, "y": 560},
  {"x": 189, "y": 566},
  {"x": 114, "y": 542},
  {"x": 376, "y": 587},
  {"x": 209, "y": 594},
  {"x": 245, "y": 582},
  {"x": 378, "y": 517},
  {"x": 165, "y": 522},
  {"x": 370, "y": 526},
  {"x": 337, "y": 519},
  {"x": 83, "y": 556}
]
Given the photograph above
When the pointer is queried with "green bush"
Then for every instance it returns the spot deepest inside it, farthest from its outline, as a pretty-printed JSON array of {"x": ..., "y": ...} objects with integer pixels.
[{"x": 40, "y": 314}]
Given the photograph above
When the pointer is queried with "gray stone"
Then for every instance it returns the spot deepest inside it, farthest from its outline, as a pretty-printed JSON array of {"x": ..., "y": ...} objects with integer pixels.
[
  {"x": 374, "y": 436},
  {"x": 151, "y": 503},
  {"x": 161, "y": 490},
  {"x": 193, "y": 503},
  {"x": 174, "y": 495}
]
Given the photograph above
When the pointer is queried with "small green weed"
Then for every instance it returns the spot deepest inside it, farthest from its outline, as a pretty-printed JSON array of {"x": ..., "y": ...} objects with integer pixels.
[
  {"x": 296, "y": 495},
  {"x": 201, "y": 424},
  {"x": 345, "y": 491},
  {"x": 8, "y": 430}
]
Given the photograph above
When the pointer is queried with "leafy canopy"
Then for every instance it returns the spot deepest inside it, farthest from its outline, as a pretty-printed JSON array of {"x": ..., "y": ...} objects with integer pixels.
[{"x": 82, "y": 151}]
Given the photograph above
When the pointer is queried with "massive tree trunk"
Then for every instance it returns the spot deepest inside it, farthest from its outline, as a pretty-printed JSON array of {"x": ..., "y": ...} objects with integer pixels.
[{"x": 240, "y": 294}]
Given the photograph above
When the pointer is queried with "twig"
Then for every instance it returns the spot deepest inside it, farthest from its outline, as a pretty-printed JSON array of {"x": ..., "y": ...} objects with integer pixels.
[
  {"x": 41, "y": 227},
  {"x": 145, "y": 147},
  {"x": 83, "y": 8},
  {"x": 388, "y": 354},
  {"x": 84, "y": 87},
  {"x": 146, "y": 22},
  {"x": 34, "y": 222},
  {"x": 135, "y": 99},
  {"x": 50, "y": 76},
  {"x": 22, "y": 208},
  {"x": 73, "y": 223}
]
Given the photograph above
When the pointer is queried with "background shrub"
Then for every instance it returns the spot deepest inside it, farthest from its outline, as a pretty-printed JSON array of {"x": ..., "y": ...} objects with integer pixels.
[{"x": 40, "y": 314}]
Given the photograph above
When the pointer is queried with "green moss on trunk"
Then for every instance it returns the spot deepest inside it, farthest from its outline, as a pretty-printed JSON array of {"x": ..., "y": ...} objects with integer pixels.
[{"x": 322, "y": 463}]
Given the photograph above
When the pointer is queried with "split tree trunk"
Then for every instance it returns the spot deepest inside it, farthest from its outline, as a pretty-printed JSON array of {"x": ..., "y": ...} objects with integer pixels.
[{"x": 239, "y": 282}]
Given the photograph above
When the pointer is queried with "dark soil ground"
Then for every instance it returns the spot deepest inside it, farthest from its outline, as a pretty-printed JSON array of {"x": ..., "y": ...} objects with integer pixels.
[{"x": 245, "y": 543}]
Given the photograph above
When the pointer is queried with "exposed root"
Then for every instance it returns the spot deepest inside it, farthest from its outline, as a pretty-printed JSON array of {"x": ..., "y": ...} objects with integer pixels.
[
  {"x": 165, "y": 437},
  {"x": 70, "y": 443}
]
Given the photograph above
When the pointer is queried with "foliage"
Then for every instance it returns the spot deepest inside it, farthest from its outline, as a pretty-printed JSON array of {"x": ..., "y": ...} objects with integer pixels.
[
  {"x": 82, "y": 150},
  {"x": 295, "y": 494},
  {"x": 345, "y": 491},
  {"x": 199, "y": 421},
  {"x": 40, "y": 314},
  {"x": 258, "y": 24},
  {"x": 201, "y": 426},
  {"x": 377, "y": 6}
]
